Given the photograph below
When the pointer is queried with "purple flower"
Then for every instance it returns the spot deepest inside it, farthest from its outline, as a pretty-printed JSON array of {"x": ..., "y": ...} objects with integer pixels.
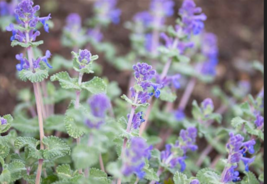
[
  {"x": 210, "y": 51},
  {"x": 137, "y": 120},
  {"x": 237, "y": 151},
  {"x": 192, "y": 18},
  {"x": 144, "y": 17},
  {"x": 179, "y": 115},
  {"x": 171, "y": 157},
  {"x": 95, "y": 35},
  {"x": 231, "y": 175},
  {"x": 162, "y": 7},
  {"x": 4, "y": 8},
  {"x": 135, "y": 155},
  {"x": 84, "y": 57},
  {"x": 195, "y": 181},
  {"x": 73, "y": 23},
  {"x": 143, "y": 71},
  {"x": 259, "y": 121},
  {"x": 106, "y": 10},
  {"x": 25, "y": 65},
  {"x": 207, "y": 107},
  {"x": 99, "y": 104},
  {"x": 3, "y": 121}
]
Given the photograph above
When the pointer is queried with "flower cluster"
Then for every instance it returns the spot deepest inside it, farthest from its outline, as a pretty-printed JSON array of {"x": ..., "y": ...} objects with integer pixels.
[
  {"x": 25, "y": 64},
  {"x": 84, "y": 57},
  {"x": 207, "y": 107},
  {"x": 259, "y": 122},
  {"x": 143, "y": 75},
  {"x": 26, "y": 32},
  {"x": 7, "y": 9},
  {"x": 73, "y": 24},
  {"x": 94, "y": 34},
  {"x": 137, "y": 120},
  {"x": 3, "y": 121},
  {"x": 192, "y": 18},
  {"x": 210, "y": 51},
  {"x": 135, "y": 156},
  {"x": 99, "y": 105},
  {"x": 106, "y": 10},
  {"x": 237, "y": 151},
  {"x": 195, "y": 181},
  {"x": 176, "y": 154},
  {"x": 162, "y": 8}
]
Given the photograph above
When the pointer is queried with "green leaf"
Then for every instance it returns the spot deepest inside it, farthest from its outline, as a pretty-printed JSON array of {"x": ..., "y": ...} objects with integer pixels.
[
  {"x": 250, "y": 179},
  {"x": 35, "y": 44},
  {"x": 9, "y": 119},
  {"x": 95, "y": 86},
  {"x": 65, "y": 81},
  {"x": 23, "y": 124},
  {"x": 151, "y": 175},
  {"x": 5, "y": 177},
  {"x": 208, "y": 176},
  {"x": 4, "y": 151},
  {"x": 167, "y": 95},
  {"x": 237, "y": 122},
  {"x": 64, "y": 171},
  {"x": 55, "y": 148},
  {"x": 96, "y": 173},
  {"x": 38, "y": 76},
  {"x": 16, "y": 169},
  {"x": 132, "y": 103},
  {"x": 258, "y": 66},
  {"x": 55, "y": 122},
  {"x": 31, "y": 144},
  {"x": 261, "y": 177},
  {"x": 84, "y": 156},
  {"x": 73, "y": 128},
  {"x": 15, "y": 43},
  {"x": 180, "y": 178}
]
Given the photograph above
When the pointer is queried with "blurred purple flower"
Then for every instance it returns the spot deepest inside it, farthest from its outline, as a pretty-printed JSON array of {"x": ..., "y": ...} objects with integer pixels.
[
  {"x": 210, "y": 51},
  {"x": 96, "y": 35},
  {"x": 99, "y": 104},
  {"x": 259, "y": 122},
  {"x": 107, "y": 10},
  {"x": 135, "y": 155},
  {"x": 192, "y": 18},
  {"x": 3, "y": 121},
  {"x": 137, "y": 120}
]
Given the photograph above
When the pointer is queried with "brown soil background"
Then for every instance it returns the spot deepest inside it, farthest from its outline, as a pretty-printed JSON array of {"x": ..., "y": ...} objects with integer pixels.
[{"x": 238, "y": 25}]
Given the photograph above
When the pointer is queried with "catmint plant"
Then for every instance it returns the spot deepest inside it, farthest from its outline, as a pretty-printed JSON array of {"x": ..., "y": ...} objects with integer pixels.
[
  {"x": 237, "y": 152},
  {"x": 82, "y": 130}
]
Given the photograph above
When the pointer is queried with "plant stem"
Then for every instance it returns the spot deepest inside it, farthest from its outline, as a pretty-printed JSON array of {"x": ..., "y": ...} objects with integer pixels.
[
  {"x": 78, "y": 93},
  {"x": 38, "y": 98},
  {"x": 129, "y": 125},
  {"x": 137, "y": 180},
  {"x": 160, "y": 170},
  {"x": 187, "y": 93},
  {"x": 101, "y": 163}
]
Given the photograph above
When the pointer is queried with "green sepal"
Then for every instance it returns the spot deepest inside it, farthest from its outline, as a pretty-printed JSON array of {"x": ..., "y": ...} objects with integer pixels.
[{"x": 87, "y": 68}]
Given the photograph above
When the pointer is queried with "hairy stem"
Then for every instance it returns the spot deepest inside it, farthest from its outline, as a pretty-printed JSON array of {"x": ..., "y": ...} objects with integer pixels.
[
  {"x": 38, "y": 99},
  {"x": 129, "y": 125}
]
